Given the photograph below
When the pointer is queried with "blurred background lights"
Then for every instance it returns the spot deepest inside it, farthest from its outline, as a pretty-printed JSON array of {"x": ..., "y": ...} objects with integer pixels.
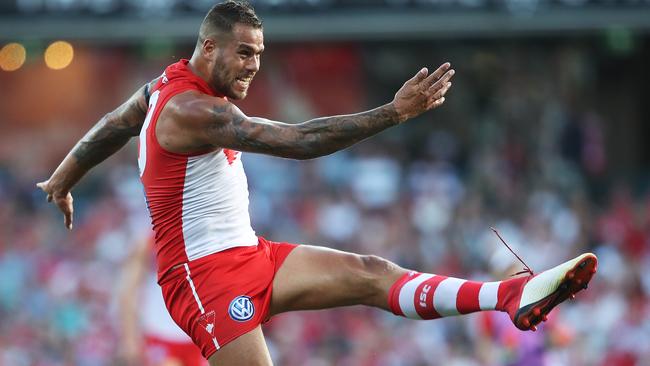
[
  {"x": 12, "y": 57},
  {"x": 59, "y": 55}
]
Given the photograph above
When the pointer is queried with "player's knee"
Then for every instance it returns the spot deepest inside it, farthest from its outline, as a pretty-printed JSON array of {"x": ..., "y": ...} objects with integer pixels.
[
  {"x": 372, "y": 269},
  {"x": 376, "y": 266}
]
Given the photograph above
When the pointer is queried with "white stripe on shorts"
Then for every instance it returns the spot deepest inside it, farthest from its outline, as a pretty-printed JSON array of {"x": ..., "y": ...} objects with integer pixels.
[
  {"x": 198, "y": 301},
  {"x": 196, "y": 296}
]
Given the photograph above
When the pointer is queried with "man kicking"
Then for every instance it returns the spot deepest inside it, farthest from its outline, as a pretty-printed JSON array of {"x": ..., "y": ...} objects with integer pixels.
[{"x": 219, "y": 279}]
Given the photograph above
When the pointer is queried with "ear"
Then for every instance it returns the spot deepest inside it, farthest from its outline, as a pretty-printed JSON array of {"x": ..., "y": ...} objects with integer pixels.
[{"x": 208, "y": 47}]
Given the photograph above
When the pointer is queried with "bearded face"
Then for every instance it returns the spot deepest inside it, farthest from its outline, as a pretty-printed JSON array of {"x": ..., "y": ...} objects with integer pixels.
[{"x": 237, "y": 61}]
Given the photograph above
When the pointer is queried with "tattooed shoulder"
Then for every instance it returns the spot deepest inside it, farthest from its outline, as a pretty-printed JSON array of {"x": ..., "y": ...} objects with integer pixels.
[{"x": 225, "y": 113}]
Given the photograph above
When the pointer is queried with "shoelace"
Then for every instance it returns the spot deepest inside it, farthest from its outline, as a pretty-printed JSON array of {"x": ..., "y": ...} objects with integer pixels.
[{"x": 526, "y": 267}]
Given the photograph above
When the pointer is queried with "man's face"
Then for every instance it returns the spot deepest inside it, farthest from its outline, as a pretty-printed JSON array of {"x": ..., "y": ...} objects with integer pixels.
[{"x": 237, "y": 59}]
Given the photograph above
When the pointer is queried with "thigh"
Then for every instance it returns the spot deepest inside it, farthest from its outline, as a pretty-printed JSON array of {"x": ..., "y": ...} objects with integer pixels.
[
  {"x": 248, "y": 349},
  {"x": 314, "y": 277}
]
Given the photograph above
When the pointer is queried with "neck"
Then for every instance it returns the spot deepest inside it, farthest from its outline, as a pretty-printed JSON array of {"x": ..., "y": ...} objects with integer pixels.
[{"x": 199, "y": 67}]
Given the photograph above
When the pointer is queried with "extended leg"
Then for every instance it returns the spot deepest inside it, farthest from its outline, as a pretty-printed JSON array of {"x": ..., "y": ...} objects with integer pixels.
[{"x": 317, "y": 278}]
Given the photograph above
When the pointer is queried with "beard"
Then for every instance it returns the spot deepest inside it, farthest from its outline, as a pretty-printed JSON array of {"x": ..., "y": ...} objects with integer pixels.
[{"x": 224, "y": 82}]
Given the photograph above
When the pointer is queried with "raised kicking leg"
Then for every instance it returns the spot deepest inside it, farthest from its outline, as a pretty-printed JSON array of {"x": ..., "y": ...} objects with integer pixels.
[{"x": 317, "y": 278}]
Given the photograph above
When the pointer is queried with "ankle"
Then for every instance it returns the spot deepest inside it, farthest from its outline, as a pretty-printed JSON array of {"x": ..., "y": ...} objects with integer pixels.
[{"x": 509, "y": 292}]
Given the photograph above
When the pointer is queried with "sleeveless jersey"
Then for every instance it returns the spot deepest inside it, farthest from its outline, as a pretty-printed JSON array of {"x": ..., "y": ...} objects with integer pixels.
[{"x": 198, "y": 202}]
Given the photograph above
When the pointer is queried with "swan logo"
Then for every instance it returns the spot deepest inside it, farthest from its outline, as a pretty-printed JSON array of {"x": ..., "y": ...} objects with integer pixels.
[
  {"x": 206, "y": 321},
  {"x": 241, "y": 309}
]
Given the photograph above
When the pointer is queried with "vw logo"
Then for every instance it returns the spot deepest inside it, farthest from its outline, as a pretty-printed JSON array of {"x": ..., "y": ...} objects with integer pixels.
[{"x": 241, "y": 308}]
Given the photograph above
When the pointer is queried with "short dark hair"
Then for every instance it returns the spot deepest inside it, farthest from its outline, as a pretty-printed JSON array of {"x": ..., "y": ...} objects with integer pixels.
[{"x": 224, "y": 16}]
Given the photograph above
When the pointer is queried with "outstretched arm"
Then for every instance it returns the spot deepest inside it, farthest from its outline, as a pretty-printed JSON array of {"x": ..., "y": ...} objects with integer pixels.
[
  {"x": 108, "y": 136},
  {"x": 224, "y": 125}
]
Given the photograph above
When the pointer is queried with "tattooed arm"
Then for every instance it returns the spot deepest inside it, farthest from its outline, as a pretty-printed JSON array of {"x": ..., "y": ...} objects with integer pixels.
[
  {"x": 221, "y": 124},
  {"x": 108, "y": 136},
  {"x": 230, "y": 128}
]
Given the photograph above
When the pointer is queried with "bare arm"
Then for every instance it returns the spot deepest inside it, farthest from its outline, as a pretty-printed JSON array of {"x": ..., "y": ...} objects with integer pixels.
[
  {"x": 108, "y": 136},
  {"x": 310, "y": 139},
  {"x": 224, "y": 125}
]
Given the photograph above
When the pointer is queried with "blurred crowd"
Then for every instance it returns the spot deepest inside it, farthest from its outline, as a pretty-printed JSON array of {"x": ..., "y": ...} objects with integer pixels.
[
  {"x": 168, "y": 7},
  {"x": 520, "y": 146}
]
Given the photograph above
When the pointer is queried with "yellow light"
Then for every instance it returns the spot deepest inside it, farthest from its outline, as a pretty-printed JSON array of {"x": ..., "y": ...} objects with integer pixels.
[
  {"x": 12, "y": 57},
  {"x": 59, "y": 55}
]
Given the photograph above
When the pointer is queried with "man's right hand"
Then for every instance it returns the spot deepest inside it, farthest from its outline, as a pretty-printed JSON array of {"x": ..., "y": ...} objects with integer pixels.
[
  {"x": 423, "y": 92},
  {"x": 62, "y": 200}
]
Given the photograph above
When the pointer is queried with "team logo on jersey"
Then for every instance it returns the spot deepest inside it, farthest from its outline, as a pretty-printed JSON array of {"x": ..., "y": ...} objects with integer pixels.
[
  {"x": 206, "y": 321},
  {"x": 241, "y": 308},
  {"x": 231, "y": 155}
]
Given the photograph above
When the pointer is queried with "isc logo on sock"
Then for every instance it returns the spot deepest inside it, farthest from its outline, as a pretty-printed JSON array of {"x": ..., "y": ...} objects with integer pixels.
[{"x": 423, "y": 295}]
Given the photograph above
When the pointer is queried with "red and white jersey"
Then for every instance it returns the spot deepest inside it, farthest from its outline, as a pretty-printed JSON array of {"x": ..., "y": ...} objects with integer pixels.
[{"x": 198, "y": 202}]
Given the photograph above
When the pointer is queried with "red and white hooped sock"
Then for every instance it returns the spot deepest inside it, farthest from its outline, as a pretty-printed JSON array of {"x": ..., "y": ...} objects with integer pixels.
[{"x": 427, "y": 296}]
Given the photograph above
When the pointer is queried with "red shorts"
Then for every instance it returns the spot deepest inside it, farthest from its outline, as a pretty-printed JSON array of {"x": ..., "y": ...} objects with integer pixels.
[
  {"x": 162, "y": 352},
  {"x": 224, "y": 295}
]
